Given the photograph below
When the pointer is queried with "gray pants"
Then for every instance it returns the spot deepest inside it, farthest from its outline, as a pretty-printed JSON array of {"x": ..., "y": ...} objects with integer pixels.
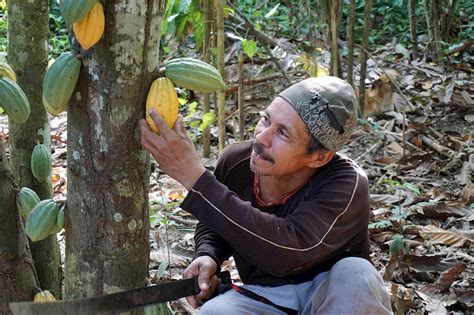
[{"x": 352, "y": 286}]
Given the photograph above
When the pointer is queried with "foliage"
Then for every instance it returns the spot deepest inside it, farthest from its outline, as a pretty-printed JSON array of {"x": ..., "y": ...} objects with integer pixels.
[
  {"x": 183, "y": 17},
  {"x": 395, "y": 184},
  {"x": 3, "y": 27},
  {"x": 58, "y": 40}
]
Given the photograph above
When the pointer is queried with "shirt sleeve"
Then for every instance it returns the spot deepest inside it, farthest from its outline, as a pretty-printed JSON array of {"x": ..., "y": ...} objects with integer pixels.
[{"x": 318, "y": 226}]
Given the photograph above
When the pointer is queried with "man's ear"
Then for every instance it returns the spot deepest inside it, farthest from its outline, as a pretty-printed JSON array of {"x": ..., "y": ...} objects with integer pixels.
[{"x": 320, "y": 158}]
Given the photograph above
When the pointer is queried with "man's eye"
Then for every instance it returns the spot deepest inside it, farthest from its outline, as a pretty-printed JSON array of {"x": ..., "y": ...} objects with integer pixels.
[{"x": 282, "y": 133}]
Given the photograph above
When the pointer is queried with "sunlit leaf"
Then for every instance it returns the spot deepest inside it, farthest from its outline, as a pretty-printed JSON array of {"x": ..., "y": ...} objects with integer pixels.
[
  {"x": 249, "y": 47},
  {"x": 272, "y": 11},
  {"x": 207, "y": 119},
  {"x": 184, "y": 6}
]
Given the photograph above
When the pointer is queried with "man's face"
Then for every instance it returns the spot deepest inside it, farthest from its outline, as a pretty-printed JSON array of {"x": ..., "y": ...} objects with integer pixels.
[{"x": 281, "y": 139}]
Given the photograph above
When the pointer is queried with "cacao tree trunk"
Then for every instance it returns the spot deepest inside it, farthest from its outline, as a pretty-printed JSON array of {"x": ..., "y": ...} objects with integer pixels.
[
  {"x": 18, "y": 280},
  {"x": 107, "y": 219},
  {"x": 28, "y": 31}
]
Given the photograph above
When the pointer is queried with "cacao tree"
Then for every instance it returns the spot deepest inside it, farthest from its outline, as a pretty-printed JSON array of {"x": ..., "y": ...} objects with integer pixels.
[
  {"x": 18, "y": 281},
  {"x": 28, "y": 32},
  {"x": 107, "y": 223}
]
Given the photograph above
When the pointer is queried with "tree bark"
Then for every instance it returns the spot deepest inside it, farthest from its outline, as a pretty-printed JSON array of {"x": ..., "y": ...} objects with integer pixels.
[
  {"x": 206, "y": 57},
  {"x": 432, "y": 46},
  {"x": 363, "y": 59},
  {"x": 28, "y": 30},
  {"x": 350, "y": 43},
  {"x": 18, "y": 280},
  {"x": 107, "y": 222},
  {"x": 434, "y": 12},
  {"x": 448, "y": 20},
  {"x": 219, "y": 4},
  {"x": 414, "y": 39}
]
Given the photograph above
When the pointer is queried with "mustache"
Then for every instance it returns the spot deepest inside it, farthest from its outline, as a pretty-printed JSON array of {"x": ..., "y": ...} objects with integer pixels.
[{"x": 258, "y": 148}]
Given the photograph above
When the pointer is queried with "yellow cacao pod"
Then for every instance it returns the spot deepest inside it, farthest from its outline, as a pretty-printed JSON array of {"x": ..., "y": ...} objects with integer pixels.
[
  {"x": 89, "y": 30},
  {"x": 43, "y": 296},
  {"x": 7, "y": 71},
  {"x": 163, "y": 99}
]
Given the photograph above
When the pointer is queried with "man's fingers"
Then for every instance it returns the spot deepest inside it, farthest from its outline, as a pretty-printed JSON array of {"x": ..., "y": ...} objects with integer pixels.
[
  {"x": 179, "y": 127},
  {"x": 192, "y": 300},
  {"x": 159, "y": 122},
  {"x": 204, "y": 282},
  {"x": 147, "y": 137}
]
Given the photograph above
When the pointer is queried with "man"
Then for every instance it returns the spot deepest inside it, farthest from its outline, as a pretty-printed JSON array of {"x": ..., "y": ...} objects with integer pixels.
[{"x": 291, "y": 211}]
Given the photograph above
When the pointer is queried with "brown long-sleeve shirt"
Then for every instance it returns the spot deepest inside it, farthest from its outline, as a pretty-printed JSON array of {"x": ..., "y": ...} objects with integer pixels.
[{"x": 323, "y": 222}]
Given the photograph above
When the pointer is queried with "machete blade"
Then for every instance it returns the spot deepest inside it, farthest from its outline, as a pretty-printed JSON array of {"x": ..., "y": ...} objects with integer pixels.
[{"x": 117, "y": 302}]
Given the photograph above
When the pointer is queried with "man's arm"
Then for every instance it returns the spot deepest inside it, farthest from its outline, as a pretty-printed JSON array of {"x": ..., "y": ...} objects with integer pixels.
[{"x": 319, "y": 225}]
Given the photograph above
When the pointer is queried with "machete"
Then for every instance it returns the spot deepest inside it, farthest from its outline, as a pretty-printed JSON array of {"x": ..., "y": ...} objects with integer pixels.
[{"x": 117, "y": 302}]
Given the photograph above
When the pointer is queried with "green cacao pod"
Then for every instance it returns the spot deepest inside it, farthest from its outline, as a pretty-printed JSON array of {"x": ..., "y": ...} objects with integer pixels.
[
  {"x": 59, "y": 83},
  {"x": 41, "y": 162},
  {"x": 194, "y": 74},
  {"x": 13, "y": 101},
  {"x": 7, "y": 71},
  {"x": 42, "y": 220},
  {"x": 59, "y": 222},
  {"x": 75, "y": 10},
  {"x": 26, "y": 200}
]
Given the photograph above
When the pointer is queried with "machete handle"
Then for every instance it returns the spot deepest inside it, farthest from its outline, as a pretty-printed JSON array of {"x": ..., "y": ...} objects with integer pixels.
[{"x": 224, "y": 276}]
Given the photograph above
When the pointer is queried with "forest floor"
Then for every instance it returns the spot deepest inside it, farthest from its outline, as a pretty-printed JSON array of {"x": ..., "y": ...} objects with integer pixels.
[{"x": 421, "y": 183}]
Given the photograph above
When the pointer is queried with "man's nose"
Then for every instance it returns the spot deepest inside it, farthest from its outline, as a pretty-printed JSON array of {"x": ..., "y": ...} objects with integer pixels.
[{"x": 264, "y": 137}]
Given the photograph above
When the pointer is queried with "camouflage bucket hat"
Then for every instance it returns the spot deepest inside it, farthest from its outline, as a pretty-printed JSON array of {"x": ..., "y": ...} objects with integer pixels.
[{"x": 328, "y": 106}]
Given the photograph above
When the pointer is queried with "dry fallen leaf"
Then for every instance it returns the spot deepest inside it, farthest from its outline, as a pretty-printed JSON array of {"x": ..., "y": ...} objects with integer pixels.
[
  {"x": 439, "y": 236},
  {"x": 448, "y": 277}
]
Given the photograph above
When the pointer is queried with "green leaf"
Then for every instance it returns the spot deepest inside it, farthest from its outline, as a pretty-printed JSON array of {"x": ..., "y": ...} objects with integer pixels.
[
  {"x": 412, "y": 187},
  {"x": 381, "y": 224},
  {"x": 184, "y": 6},
  {"x": 249, "y": 47},
  {"x": 152, "y": 215},
  {"x": 182, "y": 101},
  {"x": 392, "y": 182},
  {"x": 162, "y": 269},
  {"x": 272, "y": 11},
  {"x": 207, "y": 119},
  {"x": 396, "y": 245}
]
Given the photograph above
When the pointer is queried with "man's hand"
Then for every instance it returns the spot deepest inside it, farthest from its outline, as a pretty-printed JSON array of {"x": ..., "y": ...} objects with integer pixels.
[
  {"x": 205, "y": 268},
  {"x": 173, "y": 150}
]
